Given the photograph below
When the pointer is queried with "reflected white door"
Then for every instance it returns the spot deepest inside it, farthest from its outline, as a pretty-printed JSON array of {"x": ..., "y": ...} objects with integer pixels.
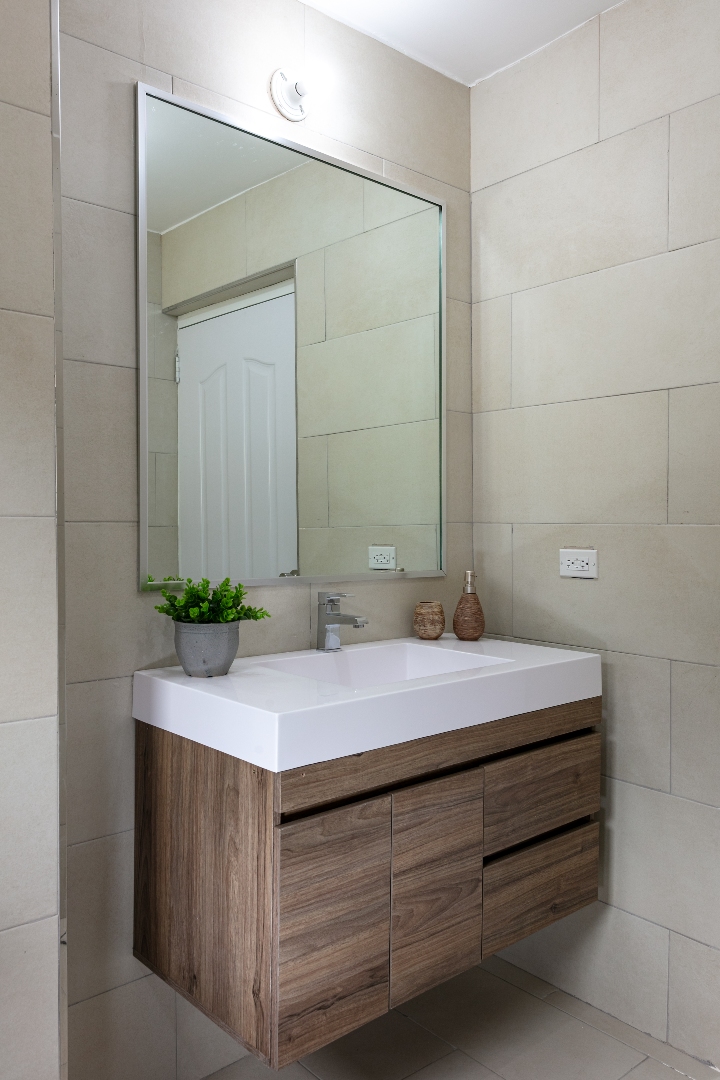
[{"x": 237, "y": 500}]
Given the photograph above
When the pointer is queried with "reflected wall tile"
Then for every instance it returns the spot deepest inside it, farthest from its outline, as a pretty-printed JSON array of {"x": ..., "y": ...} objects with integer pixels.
[
  {"x": 27, "y": 409},
  {"x": 29, "y": 1000},
  {"x": 310, "y": 298},
  {"x": 162, "y": 417},
  {"x": 383, "y": 204},
  {"x": 206, "y": 252},
  {"x": 695, "y": 173},
  {"x": 163, "y": 551},
  {"x": 29, "y": 813},
  {"x": 492, "y": 547},
  {"x": 312, "y": 483},
  {"x": 166, "y": 490},
  {"x": 636, "y": 719},
  {"x": 607, "y": 957},
  {"x": 154, "y": 268},
  {"x": 409, "y": 112},
  {"x": 100, "y": 916},
  {"x": 100, "y": 759},
  {"x": 345, "y": 551},
  {"x": 25, "y": 57},
  {"x": 99, "y": 123},
  {"x": 98, "y": 285},
  {"x": 100, "y": 443},
  {"x": 26, "y": 212},
  {"x": 459, "y": 465},
  {"x": 643, "y": 326},
  {"x": 655, "y": 594},
  {"x": 693, "y": 490},
  {"x": 656, "y": 58},
  {"x": 202, "y": 1046},
  {"x": 599, "y": 207},
  {"x": 492, "y": 354},
  {"x": 539, "y": 109},
  {"x": 662, "y": 859},
  {"x": 694, "y": 1003},
  {"x": 696, "y": 732},
  {"x": 458, "y": 367}
]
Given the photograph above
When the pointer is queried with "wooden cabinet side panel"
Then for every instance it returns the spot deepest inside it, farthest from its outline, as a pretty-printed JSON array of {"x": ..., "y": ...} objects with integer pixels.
[
  {"x": 333, "y": 925},
  {"x": 533, "y": 793},
  {"x": 533, "y": 887},
  {"x": 437, "y": 883},
  {"x": 344, "y": 778},
  {"x": 203, "y": 884}
]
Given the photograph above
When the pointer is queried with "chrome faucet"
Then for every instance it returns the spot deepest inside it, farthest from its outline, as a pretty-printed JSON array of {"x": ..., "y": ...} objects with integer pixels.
[{"x": 330, "y": 618}]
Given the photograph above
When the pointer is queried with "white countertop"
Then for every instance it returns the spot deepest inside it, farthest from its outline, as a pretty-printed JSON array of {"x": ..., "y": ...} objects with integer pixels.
[{"x": 280, "y": 720}]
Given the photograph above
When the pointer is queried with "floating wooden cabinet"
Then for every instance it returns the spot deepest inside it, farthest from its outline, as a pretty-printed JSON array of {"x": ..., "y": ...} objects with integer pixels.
[{"x": 292, "y": 908}]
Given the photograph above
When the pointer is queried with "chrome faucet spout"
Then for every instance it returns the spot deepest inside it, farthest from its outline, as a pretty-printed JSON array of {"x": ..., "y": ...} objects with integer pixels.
[{"x": 331, "y": 618}]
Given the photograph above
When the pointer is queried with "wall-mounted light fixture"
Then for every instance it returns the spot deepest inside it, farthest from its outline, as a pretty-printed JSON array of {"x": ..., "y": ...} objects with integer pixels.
[{"x": 289, "y": 95}]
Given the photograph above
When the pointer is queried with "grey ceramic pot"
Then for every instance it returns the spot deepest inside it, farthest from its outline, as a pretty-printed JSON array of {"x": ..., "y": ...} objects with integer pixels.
[{"x": 206, "y": 649}]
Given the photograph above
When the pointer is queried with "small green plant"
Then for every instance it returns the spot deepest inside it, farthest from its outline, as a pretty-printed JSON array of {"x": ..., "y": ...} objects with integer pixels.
[{"x": 198, "y": 605}]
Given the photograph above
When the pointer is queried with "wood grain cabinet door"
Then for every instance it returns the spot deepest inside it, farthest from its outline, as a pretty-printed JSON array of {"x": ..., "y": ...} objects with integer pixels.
[
  {"x": 332, "y": 925},
  {"x": 437, "y": 882}
]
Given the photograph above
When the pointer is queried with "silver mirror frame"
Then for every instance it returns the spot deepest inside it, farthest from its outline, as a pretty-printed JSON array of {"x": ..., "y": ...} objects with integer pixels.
[{"x": 145, "y": 91}]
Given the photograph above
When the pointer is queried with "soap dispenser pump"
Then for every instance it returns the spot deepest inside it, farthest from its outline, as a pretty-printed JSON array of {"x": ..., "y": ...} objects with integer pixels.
[{"x": 469, "y": 621}]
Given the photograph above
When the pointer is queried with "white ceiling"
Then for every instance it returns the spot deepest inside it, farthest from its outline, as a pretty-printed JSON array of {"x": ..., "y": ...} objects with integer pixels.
[{"x": 465, "y": 39}]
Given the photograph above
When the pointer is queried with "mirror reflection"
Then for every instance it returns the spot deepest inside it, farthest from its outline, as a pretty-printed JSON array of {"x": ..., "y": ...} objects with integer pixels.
[{"x": 293, "y": 361}]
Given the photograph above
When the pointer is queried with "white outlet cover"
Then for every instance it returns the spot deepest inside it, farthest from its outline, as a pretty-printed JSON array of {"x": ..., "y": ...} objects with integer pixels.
[
  {"x": 579, "y": 562},
  {"x": 382, "y": 557}
]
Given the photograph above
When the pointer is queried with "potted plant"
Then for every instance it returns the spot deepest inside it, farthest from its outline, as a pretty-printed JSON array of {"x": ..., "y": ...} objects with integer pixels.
[{"x": 207, "y": 625}]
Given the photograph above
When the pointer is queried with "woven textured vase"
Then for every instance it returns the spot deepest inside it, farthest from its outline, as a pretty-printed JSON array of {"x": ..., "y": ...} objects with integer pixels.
[
  {"x": 429, "y": 620},
  {"x": 469, "y": 619}
]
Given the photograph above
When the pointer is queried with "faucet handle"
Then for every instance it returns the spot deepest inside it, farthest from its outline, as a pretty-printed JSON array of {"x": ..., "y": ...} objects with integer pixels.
[{"x": 329, "y": 597}]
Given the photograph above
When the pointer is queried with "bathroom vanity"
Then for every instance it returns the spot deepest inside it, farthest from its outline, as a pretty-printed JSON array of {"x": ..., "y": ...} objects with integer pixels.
[{"x": 320, "y": 838}]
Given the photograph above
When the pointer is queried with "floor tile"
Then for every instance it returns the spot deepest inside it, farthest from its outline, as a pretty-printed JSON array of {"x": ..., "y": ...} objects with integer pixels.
[
  {"x": 653, "y": 1070},
  {"x": 515, "y": 975},
  {"x": 390, "y": 1048},
  {"x": 457, "y": 1066},
  {"x": 252, "y": 1069},
  {"x": 577, "y": 1052}
]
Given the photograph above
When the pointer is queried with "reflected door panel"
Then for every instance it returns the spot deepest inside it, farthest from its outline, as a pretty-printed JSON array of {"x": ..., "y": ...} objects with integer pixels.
[{"x": 237, "y": 443}]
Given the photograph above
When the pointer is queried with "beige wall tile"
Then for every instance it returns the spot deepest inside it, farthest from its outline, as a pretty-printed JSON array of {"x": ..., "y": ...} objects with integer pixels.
[
  {"x": 609, "y": 958},
  {"x": 542, "y": 108},
  {"x": 696, "y": 732},
  {"x": 458, "y": 556},
  {"x": 162, "y": 416},
  {"x": 456, "y": 224},
  {"x": 373, "y": 379},
  {"x": 694, "y": 1002},
  {"x": 408, "y": 112},
  {"x": 383, "y": 204},
  {"x": 459, "y": 466},
  {"x": 28, "y": 643},
  {"x": 655, "y": 594},
  {"x": 362, "y": 491},
  {"x": 26, "y": 213},
  {"x": 662, "y": 861},
  {"x": 693, "y": 489},
  {"x": 345, "y": 551},
  {"x": 492, "y": 546},
  {"x": 124, "y": 633},
  {"x": 312, "y": 483},
  {"x": 130, "y": 1031},
  {"x": 205, "y": 253},
  {"x": 27, "y": 411},
  {"x": 492, "y": 354},
  {"x": 656, "y": 56},
  {"x": 599, "y": 207},
  {"x": 310, "y": 298},
  {"x": 643, "y": 326},
  {"x": 636, "y": 719},
  {"x": 100, "y": 442},
  {"x": 29, "y": 1000},
  {"x": 163, "y": 558},
  {"x": 695, "y": 173},
  {"x": 389, "y": 604},
  {"x": 100, "y": 916},
  {"x": 117, "y": 27},
  {"x": 25, "y": 56},
  {"x": 202, "y": 1046},
  {"x": 286, "y": 630},
  {"x": 28, "y": 810},
  {"x": 98, "y": 104},
  {"x": 100, "y": 759},
  {"x": 458, "y": 358},
  {"x": 571, "y": 462},
  {"x": 302, "y": 210},
  {"x": 385, "y": 276},
  {"x": 98, "y": 285},
  {"x": 166, "y": 490}
]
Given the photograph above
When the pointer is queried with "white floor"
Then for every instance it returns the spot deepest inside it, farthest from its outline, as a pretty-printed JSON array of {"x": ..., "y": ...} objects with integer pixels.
[{"x": 494, "y": 1021}]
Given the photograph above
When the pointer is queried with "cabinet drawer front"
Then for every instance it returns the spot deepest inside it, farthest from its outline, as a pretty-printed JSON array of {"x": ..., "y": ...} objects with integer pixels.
[
  {"x": 332, "y": 925},
  {"x": 536, "y": 886},
  {"x": 541, "y": 790},
  {"x": 437, "y": 882}
]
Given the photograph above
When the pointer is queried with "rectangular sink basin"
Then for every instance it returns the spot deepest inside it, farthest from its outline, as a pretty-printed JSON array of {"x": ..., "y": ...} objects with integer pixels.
[{"x": 385, "y": 663}]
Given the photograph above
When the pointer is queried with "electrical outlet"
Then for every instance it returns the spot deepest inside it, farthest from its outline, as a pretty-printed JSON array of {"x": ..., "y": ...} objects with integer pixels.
[
  {"x": 578, "y": 562},
  {"x": 382, "y": 557}
]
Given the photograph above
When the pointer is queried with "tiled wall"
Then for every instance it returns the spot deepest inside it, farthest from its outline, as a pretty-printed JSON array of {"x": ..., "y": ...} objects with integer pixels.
[
  {"x": 596, "y": 364},
  {"x": 407, "y": 123},
  {"x": 28, "y": 550}
]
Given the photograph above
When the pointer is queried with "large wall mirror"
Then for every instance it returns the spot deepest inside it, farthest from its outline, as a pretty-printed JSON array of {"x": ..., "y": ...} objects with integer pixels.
[{"x": 291, "y": 329}]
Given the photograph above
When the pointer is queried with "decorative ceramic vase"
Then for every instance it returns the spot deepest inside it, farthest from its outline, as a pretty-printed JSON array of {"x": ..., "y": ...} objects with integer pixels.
[
  {"x": 206, "y": 649},
  {"x": 429, "y": 620},
  {"x": 469, "y": 620}
]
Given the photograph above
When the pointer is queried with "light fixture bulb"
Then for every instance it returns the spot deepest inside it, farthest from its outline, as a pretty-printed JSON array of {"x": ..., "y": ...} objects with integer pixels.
[{"x": 289, "y": 95}]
